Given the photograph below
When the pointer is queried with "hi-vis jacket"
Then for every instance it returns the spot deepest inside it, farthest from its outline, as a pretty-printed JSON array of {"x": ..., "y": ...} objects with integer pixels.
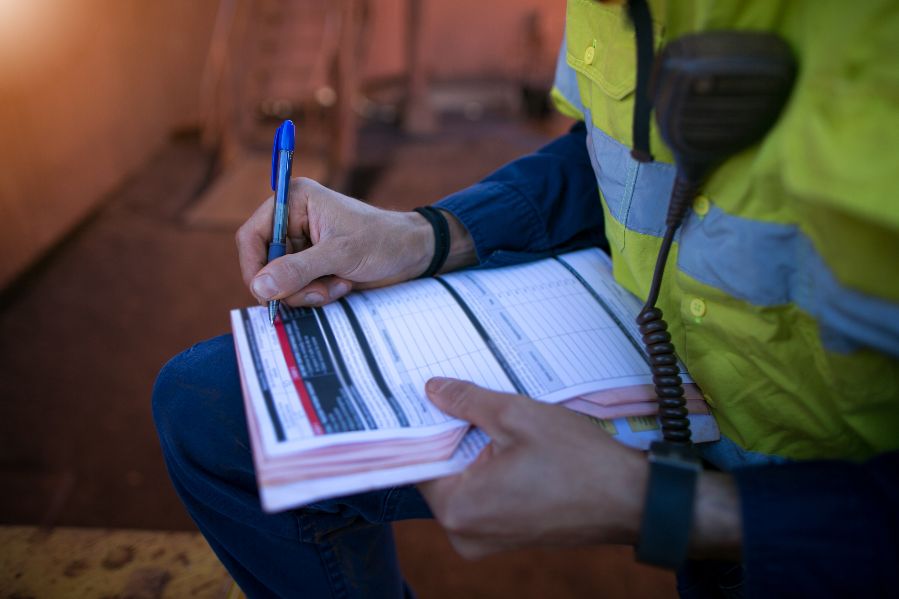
[{"x": 782, "y": 290}]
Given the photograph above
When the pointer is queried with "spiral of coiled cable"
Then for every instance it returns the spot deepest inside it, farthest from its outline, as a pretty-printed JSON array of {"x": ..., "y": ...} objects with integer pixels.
[
  {"x": 665, "y": 376},
  {"x": 654, "y": 330}
]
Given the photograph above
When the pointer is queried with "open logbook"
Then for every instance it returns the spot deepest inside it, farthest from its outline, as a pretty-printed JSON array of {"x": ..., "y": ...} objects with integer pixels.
[{"x": 335, "y": 397}]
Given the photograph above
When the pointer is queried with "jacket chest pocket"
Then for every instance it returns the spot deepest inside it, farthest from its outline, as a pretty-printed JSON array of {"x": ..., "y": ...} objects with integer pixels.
[{"x": 600, "y": 48}]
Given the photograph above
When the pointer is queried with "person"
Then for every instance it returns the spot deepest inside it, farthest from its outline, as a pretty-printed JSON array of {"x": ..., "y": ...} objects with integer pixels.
[{"x": 781, "y": 295}]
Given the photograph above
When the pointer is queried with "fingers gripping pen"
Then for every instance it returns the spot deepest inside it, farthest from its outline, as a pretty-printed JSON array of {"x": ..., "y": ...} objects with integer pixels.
[{"x": 282, "y": 158}]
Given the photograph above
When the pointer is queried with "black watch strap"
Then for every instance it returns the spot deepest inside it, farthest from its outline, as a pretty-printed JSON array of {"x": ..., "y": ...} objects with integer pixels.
[
  {"x": 668, "y": 510},
  {"x": 441, "y": 239}
]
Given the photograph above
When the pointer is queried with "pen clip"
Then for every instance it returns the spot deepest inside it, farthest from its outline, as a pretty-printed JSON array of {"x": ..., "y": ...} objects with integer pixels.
[{"x": 285, "y": 138}]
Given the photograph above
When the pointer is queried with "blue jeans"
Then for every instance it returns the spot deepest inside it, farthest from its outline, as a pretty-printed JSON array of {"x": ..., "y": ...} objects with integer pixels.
[{"x": 338, "y": 548}]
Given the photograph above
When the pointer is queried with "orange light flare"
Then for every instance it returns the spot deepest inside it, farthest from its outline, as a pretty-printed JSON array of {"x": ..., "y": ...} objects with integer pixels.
[{"x": 30, "y": 31}]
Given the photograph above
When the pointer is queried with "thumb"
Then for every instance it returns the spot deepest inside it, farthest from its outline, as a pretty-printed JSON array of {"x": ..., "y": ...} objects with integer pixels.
[
  {"x": 500, "y": 415},
  {"x": 288, "y": 274}
]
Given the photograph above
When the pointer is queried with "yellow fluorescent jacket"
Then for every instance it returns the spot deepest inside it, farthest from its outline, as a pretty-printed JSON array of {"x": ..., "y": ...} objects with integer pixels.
[{"x": 782, "y": 291}]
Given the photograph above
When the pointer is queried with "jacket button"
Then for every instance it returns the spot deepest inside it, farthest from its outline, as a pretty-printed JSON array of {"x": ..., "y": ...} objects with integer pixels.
[
  {"x": 701, "y": 205},
  {"x": 697, "y": 307},
  {"x": 589, "y": 54}
]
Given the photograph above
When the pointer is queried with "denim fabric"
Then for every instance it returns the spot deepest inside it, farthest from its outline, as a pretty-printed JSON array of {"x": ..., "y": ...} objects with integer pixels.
[
  {"x": 338, "y": 548},
  {"x": 542, "y": 204}
]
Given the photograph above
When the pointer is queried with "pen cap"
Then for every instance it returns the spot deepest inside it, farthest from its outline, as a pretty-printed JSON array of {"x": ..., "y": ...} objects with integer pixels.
[
  {"x": 285, "y": 136},
  {"x": 285, "y": 141}
]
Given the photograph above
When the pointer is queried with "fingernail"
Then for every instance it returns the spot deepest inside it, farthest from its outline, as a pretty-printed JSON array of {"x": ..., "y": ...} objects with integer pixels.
[
  {"x": 338, "y": 289},
  {"x": 436, "y": 384},
  {"x": 314, "y": 298},
  {"x": 265, "y": 287}
]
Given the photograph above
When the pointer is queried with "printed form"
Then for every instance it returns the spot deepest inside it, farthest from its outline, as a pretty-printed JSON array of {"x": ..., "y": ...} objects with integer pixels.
[
  {"x": 356, "y": 369},
  {"x": 353, "y": 372}
]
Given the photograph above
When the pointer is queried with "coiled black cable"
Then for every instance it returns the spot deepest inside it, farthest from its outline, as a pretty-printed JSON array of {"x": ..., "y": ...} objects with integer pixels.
[{"x": 654, "y": 330}]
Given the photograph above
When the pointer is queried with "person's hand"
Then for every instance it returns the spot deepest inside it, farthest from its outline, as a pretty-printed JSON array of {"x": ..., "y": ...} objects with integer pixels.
[
  {"x": 335, "y": 243},
  {"x": 552, "y": 477},
  {"x": 549, "y": 476}
]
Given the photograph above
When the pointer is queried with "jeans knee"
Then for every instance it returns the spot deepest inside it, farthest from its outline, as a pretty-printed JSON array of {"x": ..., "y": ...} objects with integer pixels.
[
  {"x": 197, "y": 400},
  {"x": 172, "y": 407}
]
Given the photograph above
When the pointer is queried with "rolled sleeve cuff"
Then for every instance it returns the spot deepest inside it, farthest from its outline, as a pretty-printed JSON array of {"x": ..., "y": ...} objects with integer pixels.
[{"x": 505, "y": 227}]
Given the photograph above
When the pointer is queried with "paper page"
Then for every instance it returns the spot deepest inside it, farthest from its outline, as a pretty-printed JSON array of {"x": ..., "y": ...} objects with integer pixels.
[
  {"x": 637, "y": 432},
  {"x": 280, "y": 497},
  {"x": 556, "y": 331},
  {"x": 594, "y": 269},
  {"x": 355, "y": 370}
]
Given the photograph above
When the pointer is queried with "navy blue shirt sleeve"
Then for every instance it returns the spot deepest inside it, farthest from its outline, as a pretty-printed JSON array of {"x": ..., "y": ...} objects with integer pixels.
[
  {"x": 539, "y": 205},
  {"x": 821, "y": 528}
]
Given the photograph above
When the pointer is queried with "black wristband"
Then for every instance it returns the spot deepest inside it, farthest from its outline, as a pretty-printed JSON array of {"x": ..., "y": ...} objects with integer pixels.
[
  {"x": 441, "y": 239},
  {"x": 668, "y": 511}
]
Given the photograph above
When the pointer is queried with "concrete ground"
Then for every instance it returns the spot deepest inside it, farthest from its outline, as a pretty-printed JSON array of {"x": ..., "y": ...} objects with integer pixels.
[
  {"x": 98, "y": 562},
  {"x": 83, "y": 335}
]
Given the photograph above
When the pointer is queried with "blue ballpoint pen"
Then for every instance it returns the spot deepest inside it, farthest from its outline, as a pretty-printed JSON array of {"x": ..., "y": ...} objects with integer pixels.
[{"x": 282, "y": 159}]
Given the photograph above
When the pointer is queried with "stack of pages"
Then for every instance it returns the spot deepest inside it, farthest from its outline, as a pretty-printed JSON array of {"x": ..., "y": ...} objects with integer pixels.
[{"x": 335, "y": 397}]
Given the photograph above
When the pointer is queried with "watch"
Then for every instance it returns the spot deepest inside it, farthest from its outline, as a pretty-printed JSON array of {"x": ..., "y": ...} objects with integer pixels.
[{"x": 668, "y": 510}]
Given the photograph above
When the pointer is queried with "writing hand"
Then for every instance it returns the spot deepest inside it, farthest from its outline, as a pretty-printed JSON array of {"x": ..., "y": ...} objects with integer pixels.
[{"x": 335, "y": 243}]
